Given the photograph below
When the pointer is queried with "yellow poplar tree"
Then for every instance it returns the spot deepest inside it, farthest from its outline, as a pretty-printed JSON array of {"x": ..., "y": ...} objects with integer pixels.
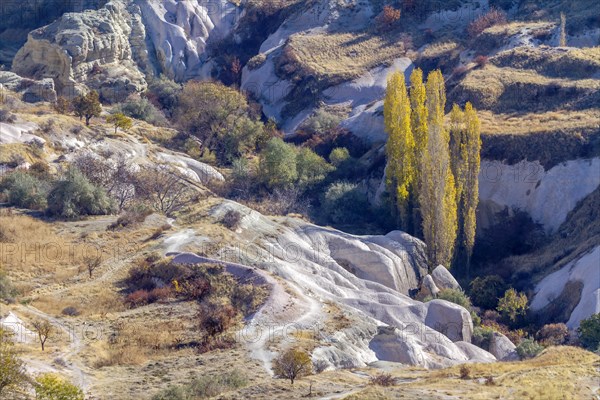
[
  {"x": 419, "y": 128},
  {"x": 437, "y": 195},
  {"x": 400, "y": 169}
]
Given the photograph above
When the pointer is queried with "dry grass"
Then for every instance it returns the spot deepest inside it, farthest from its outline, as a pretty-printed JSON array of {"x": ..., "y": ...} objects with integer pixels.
[
  {"x": 336, "y": 57},
  {"x": 571, "y": 63},
  {"x": 543, "y": 122},
  {"x": 509, "y": 89},
  {"x": 8, "y": 152},
  {"x": 557, "y": 373},
  {"x": 34, "y": 249}
]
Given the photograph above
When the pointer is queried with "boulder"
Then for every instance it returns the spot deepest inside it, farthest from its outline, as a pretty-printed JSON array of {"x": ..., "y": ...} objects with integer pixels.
[
  {"x": 502, "y": 348},
  {"x": 32, "y": 90},
  {"x": 474, "y": 353},
  {"x": 450, "y": 319},
  {"x": 443, "y": 278},
  {"x": 428, "y": 287}
]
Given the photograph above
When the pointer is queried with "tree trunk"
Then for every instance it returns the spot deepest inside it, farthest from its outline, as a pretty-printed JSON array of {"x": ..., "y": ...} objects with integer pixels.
[{"x": 87, "y": 120}]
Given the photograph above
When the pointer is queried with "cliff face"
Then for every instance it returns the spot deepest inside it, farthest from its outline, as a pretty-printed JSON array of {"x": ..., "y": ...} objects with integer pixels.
[
  {"x": 91, "y": 49},
  {"x": 114, "y": 48}
]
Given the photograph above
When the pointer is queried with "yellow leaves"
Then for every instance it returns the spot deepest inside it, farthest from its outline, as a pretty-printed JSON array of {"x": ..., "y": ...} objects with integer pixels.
[{"x": 400, "y": 171}]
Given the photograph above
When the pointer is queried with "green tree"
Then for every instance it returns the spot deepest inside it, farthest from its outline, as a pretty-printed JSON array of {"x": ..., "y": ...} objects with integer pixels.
[
  {"x": 512, "y": 304},
  {"x": 12, "y": 369},
  {"x": 486, "y": 291},
  {"x": 278, "y": 164},
  {"x": 589, "y": 332},
  {"x": 437, "y": 194},
  {"x": 311, "y": 167},
  {"x": 220, "y": 117},
  {"x": 53, "y": 387},
  {"x": 119, "y": 120},
  {"x": 400, "y": 147},
  {"x": 470, "y": 187},
  {"x": 87, "y": 106},
  {"x": 292, "y": 364},
  {"x": 75, "y": 196}
]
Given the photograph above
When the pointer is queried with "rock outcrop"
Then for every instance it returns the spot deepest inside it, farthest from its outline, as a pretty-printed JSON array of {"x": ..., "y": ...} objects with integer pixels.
[
  {"x": 113, "y": 48},
  {"x": 84, "y": 49},
  {"x": 574, "y": 288},
  {"x": 31, "y": 90},
  {"x": 368, "y": 277}
]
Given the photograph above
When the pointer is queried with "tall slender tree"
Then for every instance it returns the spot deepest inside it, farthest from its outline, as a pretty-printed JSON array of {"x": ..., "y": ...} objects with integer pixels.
[
  {"x": 470, "y": 192},
  {"x": 420, "y": 132},
  {"x": 400, "y": 148},
  {"x": 437, "y": 195}
]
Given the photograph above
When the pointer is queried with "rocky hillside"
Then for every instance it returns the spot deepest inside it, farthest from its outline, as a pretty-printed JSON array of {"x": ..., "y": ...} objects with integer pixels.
[{"x": 265, "y": 266}]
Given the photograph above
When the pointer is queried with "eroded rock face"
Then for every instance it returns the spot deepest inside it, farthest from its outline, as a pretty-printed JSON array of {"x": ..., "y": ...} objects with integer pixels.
[
  {"x": 179, "y": 32},
  {"x": 90, "y": 48},
  {"x": 32, "y": 90},
  {"x": 367, "y": 277},
  {"x": 112, "y": 49},
  {"x": 450, "y": 319}
]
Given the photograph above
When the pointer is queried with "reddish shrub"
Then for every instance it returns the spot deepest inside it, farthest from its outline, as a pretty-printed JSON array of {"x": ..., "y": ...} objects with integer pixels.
[
  {"x": 388, "y": 17},
  {"x": 491, "y": 18},
  {"x": 215, "y": 319},
  {"x": 196, "y": 289},
  {"x": 553, "y": 334},
  {"x": 138, "y": 298},
  {"x": 158, "y": 294},
  {"x": 481, "y": 61}
]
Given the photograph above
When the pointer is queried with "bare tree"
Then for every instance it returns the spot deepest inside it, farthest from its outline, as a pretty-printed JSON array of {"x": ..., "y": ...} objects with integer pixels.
[
  {"x": 44, "y": 329},
  {"x": 164, "y": 188},
  {"x": 92, "y": 263}
]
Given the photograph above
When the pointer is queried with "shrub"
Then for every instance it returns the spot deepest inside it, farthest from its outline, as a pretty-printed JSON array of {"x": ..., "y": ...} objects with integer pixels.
[
  {"x": 481, "y": 61},
  {"x": 204, "y": 387},
  {"x": 133, "y": 216},
  {"x": 320, "y": 366},
  {"x": 482, "y": 336},
  {"x": 53, "y": 387},
  {"x": 7, "y": 290},
  {"x": 141, "y": 108},
  {"x": 76, "y": 196},
  {"x": 70, "y": 311},
  {"x": 344, "y": 203},
  {"x": 278, "y": 164},
  {"x": 62, "y": 105},
  {"x": 248, "y": 298},
  {"x": 338, "y": 156},
  {"x": 589, "y": 332},
  {"x": 138, "y": 298},
  {"x": 455, "y": 296},
  {"x": 485, "y": 292},
  {"x": 512, "y": 304},
  {"x": 489, "y": 19},
  {"x": 292, "y": 364},
  {"x": 388, "y": 17},
  {"x": 256, "y": 61},
  {"x": 165, "y": 91},
  {"x": 232, "y": 219},
  {"x": 529, "y": 348},
  {"x": 24, "y": 190},
  {"x": 311, "y": 168},
  {"x": 383, "y": 379},
  {"x": 553, "y": 334},
  {"x": 321, "y": 122},
  {"x": 215, "y": 319},
  {"x": 158, "y": 294}
]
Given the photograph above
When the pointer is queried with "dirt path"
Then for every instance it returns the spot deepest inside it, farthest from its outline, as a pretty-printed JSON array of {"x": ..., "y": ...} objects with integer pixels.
[{"x": 76, "y": 345}]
